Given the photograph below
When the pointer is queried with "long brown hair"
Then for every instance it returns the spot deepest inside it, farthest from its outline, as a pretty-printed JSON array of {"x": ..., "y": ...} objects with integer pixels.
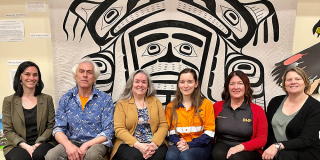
[
  {"x": 196, "y": 99},
  {"x": 225, "y": 95}
]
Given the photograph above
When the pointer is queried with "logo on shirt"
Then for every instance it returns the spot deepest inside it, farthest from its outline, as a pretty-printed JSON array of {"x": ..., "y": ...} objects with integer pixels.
[
  {"x": 221, "y": 117},
  {"x": 246, "y": 120}
]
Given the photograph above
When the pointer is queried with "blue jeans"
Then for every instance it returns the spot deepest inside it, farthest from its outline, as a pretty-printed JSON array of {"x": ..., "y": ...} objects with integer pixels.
[{"x": 196, "y": 153}]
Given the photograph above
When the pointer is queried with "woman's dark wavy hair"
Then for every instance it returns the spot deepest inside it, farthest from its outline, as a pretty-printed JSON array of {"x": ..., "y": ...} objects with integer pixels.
[
  {"x": 17, "y": 83},
  {"x": 225, "y": 95},
  {"x": 196, "y": 98}
]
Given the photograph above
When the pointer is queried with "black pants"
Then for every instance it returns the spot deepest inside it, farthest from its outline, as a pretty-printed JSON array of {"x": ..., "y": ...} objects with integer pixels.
[
  {"x": 288, "y": 155},
  {"x": 220, "y": 150},
  {"x": 125, "y": 152},
  {"x": 19, "y": 153}
]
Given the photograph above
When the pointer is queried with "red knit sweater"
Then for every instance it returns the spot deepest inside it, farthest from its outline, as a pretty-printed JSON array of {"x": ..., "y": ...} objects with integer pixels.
[{"x": 260, "y": 127}]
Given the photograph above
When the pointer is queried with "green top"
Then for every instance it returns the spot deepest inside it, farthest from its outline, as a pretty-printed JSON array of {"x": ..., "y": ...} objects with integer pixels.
[{"x": 280, "y": 121}]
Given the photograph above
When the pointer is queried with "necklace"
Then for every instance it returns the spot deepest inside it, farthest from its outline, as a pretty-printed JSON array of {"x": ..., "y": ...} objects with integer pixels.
[
  {"x": 142, "y": 104},
  {"x": 24, "y": 104},
  {"x": 140, "y": 119}
]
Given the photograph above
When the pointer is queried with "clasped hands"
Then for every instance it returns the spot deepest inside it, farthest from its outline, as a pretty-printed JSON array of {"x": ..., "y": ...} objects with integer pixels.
[
  {"x": 29, "y": 148},
  {"x": 76, "y": 153},
  {"x": 147, "y": 149},
  {"x": 182, "y": 145}
]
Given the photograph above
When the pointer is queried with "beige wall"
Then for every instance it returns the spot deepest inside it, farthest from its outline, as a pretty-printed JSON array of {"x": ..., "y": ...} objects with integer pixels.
[
  {"x": 308, "y": 14},
  {"x": 36, "y": 50},
  {"x": 39, "y": 50}
]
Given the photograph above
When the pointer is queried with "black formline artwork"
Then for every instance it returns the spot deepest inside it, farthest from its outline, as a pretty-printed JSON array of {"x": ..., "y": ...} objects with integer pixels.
[{"x": 146, "y": 36}]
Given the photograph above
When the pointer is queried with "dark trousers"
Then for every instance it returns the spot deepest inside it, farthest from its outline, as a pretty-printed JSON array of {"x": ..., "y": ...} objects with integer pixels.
[
  {"x": 19, "y": 153},
  {"x": 125, "y": 152},
  {"x": 288, "y": 155},
  {"x": 220, "y": 150},
  {"x": 196, "y": 153}
]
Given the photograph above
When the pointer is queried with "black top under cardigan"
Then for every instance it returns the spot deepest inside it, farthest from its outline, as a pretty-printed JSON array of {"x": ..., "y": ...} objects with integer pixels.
[{"x": 302, "y": 131}]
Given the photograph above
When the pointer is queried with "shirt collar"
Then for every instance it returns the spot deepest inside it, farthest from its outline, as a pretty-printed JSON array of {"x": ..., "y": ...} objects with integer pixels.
[
  {"x": 74, "y": 91},
  {"x": 243, "y": 106},
  {"x": 181, "y": 105}
]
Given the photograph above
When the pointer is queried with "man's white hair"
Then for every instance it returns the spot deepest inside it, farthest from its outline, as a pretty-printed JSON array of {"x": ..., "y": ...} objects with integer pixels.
[{"x": 86, "y": 60}]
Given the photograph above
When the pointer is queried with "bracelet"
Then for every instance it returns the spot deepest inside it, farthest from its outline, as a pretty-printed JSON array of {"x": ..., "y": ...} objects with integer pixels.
[{"x": 279, "y": 146}]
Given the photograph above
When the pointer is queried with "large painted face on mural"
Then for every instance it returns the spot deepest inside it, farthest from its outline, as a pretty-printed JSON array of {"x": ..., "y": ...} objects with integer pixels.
[{"x": 166, "y": 36}]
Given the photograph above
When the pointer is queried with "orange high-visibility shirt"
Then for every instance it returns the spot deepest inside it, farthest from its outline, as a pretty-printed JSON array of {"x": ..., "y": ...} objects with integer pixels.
[{"x": 189, "y": 126}]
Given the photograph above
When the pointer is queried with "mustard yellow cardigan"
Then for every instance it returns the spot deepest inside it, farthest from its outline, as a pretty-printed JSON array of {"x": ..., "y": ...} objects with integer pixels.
[{"x": 126, "y": 119}]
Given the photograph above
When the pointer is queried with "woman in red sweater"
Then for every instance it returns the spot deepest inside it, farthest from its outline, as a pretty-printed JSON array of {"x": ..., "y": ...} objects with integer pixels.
[{"x": 241, "y": 126}]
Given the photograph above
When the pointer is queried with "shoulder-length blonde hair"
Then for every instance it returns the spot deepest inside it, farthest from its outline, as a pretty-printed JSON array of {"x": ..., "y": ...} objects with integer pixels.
[{"x": 301, "y": 73}]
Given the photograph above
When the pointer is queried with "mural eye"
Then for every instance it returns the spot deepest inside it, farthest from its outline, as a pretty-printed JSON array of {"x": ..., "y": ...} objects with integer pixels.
[
  {"x": 231, "y": 17},
  {"x": 185, "y": 49},
  {"x": 111, "y": 15},
  {"x": 153, "y": 49}
]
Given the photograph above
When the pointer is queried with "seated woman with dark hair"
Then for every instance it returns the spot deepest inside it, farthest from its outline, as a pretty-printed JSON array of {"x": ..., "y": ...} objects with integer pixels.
[
  {"x": 293, "y": 121},
  {"x": 241, "y": 126},
  {"x": 28, "y": 116}
]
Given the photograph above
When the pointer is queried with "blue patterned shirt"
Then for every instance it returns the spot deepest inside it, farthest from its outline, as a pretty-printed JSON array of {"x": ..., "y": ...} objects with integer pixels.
[
  {"x": 95, "y": 120},
  {"x": 143, "y": 131}
]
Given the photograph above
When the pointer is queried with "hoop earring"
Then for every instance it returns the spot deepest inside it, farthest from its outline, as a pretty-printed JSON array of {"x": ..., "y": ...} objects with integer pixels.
[{"x": 37, "y": 84}]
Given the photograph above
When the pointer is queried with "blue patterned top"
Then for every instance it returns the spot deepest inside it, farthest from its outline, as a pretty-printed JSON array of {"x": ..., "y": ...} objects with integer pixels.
[
  {"x": 143, "y": 131},
  {"x": 95, "y": 120}
]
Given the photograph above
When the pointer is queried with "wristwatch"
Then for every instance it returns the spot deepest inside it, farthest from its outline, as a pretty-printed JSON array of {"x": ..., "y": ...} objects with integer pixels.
[{"x": 278, "y": 146}]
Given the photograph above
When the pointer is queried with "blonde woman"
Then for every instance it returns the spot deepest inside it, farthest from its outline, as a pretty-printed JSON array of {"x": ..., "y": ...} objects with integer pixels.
[{"x": 293, "y": 120}]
